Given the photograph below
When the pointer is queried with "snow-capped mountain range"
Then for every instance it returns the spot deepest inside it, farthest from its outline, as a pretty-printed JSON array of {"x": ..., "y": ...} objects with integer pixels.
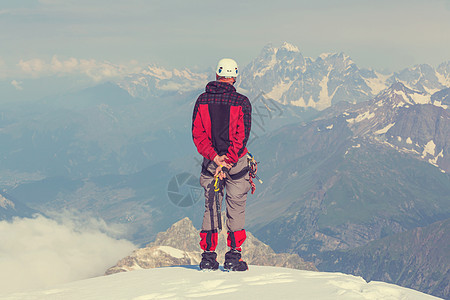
[
  {"x": 285, "y": 75},
  {"x": 407, "y": 120},
  {"x": 156, "y": 81},
  {"x": 288, "y": 77}
]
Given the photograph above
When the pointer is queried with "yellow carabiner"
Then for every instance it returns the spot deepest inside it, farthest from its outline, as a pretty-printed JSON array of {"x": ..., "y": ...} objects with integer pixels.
[{"x": 216, "y": 184}]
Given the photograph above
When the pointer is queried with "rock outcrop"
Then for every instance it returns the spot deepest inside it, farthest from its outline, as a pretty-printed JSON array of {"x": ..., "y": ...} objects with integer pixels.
[{"x": 179, "y": 246}]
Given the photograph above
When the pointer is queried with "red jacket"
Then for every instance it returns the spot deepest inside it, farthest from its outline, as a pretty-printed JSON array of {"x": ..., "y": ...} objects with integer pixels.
[{"x": 221, "y": 122}]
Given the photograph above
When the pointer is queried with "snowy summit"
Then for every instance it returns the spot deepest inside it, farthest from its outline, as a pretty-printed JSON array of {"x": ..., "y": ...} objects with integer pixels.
[
  {"x": 289, "y": 47},
  {"x": 185, "y": 282}
]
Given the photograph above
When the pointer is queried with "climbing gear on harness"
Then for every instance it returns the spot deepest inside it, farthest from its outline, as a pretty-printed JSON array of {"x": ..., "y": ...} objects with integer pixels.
[
  {"x": 253, "y": 168},
  {"x": 217, "y": 186},
  {"x": 236, "y": 176}
]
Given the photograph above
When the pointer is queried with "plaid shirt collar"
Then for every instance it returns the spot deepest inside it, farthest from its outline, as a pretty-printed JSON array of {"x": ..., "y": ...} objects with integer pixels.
[{"x": 217, "y": 87}]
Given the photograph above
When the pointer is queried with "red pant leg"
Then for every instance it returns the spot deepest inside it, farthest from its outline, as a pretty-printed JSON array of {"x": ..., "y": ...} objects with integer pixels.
[
  {"x": 236, "y": 239},
  {"x": 208, "y": 240}
]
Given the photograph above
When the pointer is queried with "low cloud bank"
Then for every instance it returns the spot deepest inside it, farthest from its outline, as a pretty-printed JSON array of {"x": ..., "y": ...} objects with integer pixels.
[
  {"x": 41, "y": 252},
  {"x": 96, "y": 70}
]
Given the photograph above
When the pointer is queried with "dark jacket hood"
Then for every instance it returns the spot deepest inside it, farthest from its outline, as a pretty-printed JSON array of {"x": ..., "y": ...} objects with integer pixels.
[{"x": 217, "y": 87}]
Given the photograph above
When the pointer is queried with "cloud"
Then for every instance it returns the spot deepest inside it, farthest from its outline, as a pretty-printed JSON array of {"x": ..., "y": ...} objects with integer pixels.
[
  {"x": 92, "y": 68},
  {"x": 33, "y": 66},
  {"x": 40, "y": 252},
  {"x": 17, "y": 85}
]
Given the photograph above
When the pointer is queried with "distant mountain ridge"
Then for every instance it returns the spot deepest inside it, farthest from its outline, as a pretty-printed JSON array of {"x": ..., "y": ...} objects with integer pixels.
[
  {"x": 156, "y": 81},
  {"x": 355, "y": 174},
  {"x": 314, "y": 167},
  {"x": 416, "y": 259},
  {"x": 408, "y": 121}
]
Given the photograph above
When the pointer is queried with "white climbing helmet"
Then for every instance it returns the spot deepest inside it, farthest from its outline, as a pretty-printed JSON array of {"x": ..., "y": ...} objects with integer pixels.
[{"x": 227, "y": 68}]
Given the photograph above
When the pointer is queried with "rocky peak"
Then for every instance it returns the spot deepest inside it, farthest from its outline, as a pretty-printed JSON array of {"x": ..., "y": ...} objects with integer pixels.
[
  {"x": 179, "y": 245},
  {"x": 180, "y": 235},
  {"x": 289, "y": 55},
  {"x": 289, "y": 47},
  {"x": 286, "y": 76},
  {"x": 285, "y": 48},
  {"x": 423, "y": 78},
  {"x": 443, "y": 71},
  {"x": 5, "y": 203},
  {"x": 339, "y": 60},
  {"x": 10, "y": 208},
  {"x": 398, "y": 86},
  {"x": 398, "y": 95}
]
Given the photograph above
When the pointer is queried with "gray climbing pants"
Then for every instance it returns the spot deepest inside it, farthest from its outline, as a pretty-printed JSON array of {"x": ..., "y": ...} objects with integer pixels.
[{"x": 235, "y": 199}]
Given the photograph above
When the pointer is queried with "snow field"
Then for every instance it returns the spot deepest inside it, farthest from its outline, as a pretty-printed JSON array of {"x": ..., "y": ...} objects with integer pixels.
[{"x": 187, "y": 282}]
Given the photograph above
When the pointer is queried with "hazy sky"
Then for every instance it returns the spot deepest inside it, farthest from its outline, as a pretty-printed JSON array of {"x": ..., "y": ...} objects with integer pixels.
[{"x": 383, "y": 34}]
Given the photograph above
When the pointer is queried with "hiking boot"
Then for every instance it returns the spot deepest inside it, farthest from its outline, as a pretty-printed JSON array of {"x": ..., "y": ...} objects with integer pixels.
[
  {"x": 209, "y": 261},
  {"x": 234, "y": 262}
]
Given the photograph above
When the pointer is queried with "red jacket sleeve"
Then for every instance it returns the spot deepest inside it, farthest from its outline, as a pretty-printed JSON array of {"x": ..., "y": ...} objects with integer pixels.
[{"x": 201, "y": 131}]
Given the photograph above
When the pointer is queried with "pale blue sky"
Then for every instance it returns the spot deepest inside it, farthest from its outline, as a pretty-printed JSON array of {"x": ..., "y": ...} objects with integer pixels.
[{"x": 381, "y": 34}]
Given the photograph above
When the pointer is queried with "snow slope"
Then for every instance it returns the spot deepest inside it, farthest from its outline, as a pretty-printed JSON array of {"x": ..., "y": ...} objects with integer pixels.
[{"x": 187, "y": 282}]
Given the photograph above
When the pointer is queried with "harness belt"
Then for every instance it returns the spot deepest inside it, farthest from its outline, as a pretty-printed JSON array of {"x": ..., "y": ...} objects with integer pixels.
[{"x": 236, "y": 176}]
